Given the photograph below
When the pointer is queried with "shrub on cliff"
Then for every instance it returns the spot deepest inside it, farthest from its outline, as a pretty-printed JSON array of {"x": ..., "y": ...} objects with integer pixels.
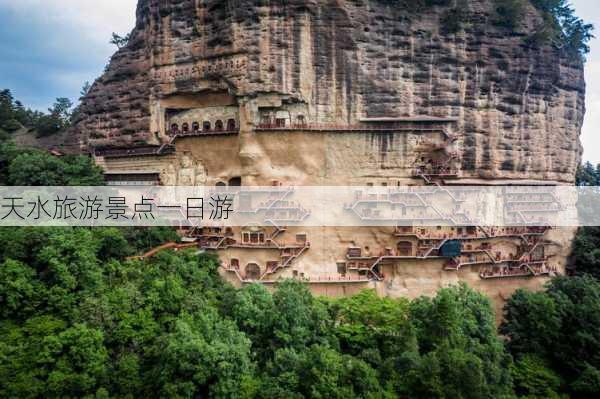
[
  {"x": 509, "y": 12},
  {"x": 560, "y": 26}
]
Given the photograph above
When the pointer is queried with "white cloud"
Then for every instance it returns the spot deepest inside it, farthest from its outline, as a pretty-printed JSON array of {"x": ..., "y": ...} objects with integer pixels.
[
  {"x": 92, "y": 18},
  {"x": 50, "y": 47}
]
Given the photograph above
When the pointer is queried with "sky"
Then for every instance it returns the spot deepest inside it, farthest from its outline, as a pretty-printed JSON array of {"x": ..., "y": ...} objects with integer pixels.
[
  {"x": 50, "y": 48},
  {"x": 589, "y": 10}
]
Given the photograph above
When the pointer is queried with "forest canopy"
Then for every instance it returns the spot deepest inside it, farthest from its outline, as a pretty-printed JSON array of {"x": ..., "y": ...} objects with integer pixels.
[
  {"x": 78, "y": 319},
  {"x": 15, "y": 116}
]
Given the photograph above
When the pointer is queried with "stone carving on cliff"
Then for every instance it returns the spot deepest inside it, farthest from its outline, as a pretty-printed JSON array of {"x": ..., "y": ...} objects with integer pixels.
[
  {"x": 201, "y": 69},
  {"x": 189, "y": 173},
  {"x": 168, "y": 176},
  {"x": 186, "y": 176},
  {"x": 201, "y": 174}
]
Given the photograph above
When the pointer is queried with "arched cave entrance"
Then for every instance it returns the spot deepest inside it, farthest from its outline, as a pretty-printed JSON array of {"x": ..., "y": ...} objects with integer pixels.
[
  {"x": 252, "y": 271},
  {"x": 231, "y": 125},
  {"x": 235, "y": 182}
]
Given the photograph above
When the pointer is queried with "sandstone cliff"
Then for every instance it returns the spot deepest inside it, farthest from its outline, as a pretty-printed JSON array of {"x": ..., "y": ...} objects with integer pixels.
[{"x": 519, "y": 107}]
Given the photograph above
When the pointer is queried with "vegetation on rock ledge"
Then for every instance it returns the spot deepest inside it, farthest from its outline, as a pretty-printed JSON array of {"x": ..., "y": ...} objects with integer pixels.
[{"x": 560, "y": 26}]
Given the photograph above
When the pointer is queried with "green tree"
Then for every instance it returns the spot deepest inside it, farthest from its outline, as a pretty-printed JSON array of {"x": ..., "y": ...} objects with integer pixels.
[
  {"x": 58, "y": 118},
  {"x": 376, "y": 330},
  {"x": 560, "y": 26},
  {"x": 45, "y": 358},
  {"x": 85, "y": 89},
  {"x": 587, "y": 384},
  {"x": 38, "y": 168},
  {"x": 586, "y": 251},
  {"x": 578, "y": 345},
  {"x": 534, "y": 379},
  {"x": 62, "y": 109},
  {"x": 533, "y": 321},
  {"x": 509, "y": 12},
  {"x": 562, "y": 327},
  {"x": 77, "y": 321},
  {"x": 563, "y": 28},
  {"x": 456, "y": 332},
  {"x": 367, "y": 321},
  {"x": 8, "y": 112},
  {"x": 203, "y": 356},
  {"x": 120, "y": 41},
  {"x": 289, "y": 318},
  {"x": 8, "y": 152},
  {"x": 320, "y": 372},
  {"x": 19, "y": 289},
  {"x": 14, "y": 115},
  {"x": 81, "y": 362},
  {"x": 252, "y": 308}
]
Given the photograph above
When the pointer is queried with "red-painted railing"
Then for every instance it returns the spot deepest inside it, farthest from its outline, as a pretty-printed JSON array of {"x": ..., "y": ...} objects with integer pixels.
[
  {"x": 348, "y": 127},
  {"x": 212, "y": 132}
]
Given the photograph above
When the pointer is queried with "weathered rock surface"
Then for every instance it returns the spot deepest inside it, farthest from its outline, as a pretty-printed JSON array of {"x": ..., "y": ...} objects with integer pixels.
[
  {"x": 520, "y": 108},
  {"x": 344, "y": 92}
]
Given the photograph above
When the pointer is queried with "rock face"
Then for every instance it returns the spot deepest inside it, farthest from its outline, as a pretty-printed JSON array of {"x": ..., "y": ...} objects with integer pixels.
[
  {"x": 346, "y": 92},
  {"x": 519, "y": 109}
]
